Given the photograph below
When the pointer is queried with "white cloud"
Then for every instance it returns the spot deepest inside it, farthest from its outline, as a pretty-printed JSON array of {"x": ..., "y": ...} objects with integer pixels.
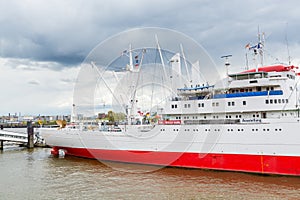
[{"x": 37, "y": 91}]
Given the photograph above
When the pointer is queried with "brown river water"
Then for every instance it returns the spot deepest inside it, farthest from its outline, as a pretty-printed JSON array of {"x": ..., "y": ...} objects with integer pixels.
[{"x": 35, "y": 174}]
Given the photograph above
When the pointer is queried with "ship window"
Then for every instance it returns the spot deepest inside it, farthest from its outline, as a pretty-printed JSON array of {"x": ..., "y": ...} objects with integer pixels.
[
  {"x": 267, "y": 101},
  {"x": 244, "y": 103},
  {"x": 200, "y": 104},
  {"x": 185, "y": 105},
  {"x": 286, "y": 101},
  {"x": 175, "y": 105},
  {"x": 275, "y": 100},
  {"x": 279, "y": 100},
  {"x": 213, "y": 104},
  {"x": 240, "y": 116},
  {"x": 229, "y": 103},
  {"x": 271, "y": 101},
  {"x": 250, "y": 90},
  {"x": 189, "y": 105},
  {"x": 232, "y": 103},
  {"x": 267, "y": 88},
  {"x": 272, "y": 88},
  {"x": 253, "y": 115},
  {"x": 172, "y": 106},
  {"x": 258, "y": 89},
  {"x": 217, "y": 103}
]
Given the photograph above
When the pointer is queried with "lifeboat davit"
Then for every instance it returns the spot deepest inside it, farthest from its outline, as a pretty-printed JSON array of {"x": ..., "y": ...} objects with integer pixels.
[{"x": 272, "y": 68}]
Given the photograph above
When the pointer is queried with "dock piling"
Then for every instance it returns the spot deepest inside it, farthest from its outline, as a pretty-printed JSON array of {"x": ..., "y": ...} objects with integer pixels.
[
  {"x": 1, "y": 142},
  {"x": 30, "y": 143}
]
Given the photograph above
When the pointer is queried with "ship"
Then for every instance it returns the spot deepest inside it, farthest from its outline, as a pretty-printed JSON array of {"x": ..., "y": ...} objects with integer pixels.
[{"x": 249, "y": 123}]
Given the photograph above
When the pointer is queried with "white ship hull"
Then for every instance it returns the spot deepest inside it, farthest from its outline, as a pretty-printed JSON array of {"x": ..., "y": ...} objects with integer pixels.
[{"x": 271, "y": 147}]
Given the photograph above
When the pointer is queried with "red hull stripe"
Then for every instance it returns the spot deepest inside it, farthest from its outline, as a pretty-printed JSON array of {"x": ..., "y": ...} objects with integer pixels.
[{"x": 265, "y": 164}]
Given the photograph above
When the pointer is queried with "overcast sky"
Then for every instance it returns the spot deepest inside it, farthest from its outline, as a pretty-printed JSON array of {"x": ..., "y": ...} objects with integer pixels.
[{"x": 42, "y": 43}]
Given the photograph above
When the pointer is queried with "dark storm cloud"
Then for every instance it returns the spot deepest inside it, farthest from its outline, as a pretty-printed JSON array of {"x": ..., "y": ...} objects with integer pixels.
[{"x": 65, "y": 31}]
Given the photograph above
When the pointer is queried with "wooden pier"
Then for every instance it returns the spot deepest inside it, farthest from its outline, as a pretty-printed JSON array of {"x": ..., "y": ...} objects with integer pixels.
[{"x": 25, "y": 138}]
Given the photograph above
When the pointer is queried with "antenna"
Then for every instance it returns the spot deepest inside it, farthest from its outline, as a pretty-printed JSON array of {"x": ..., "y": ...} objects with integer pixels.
[{"x": 287, "y": 44}]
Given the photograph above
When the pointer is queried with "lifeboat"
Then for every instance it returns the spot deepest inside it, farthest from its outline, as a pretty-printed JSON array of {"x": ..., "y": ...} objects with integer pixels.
[{"x": 272, "y": 68}]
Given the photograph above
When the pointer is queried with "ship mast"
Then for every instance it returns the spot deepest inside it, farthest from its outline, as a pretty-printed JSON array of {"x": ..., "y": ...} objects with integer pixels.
[
  {"x": 135, "y": 72},
  {"x": 258, "y": 52},
  {"x": 260, "y": 46},
  {"x": 161, "y": 57},
  {"x": 227, "y": 64}
]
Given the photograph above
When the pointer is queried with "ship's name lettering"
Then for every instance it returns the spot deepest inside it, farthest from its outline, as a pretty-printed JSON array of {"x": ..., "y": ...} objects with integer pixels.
[{"x": 251, "y": 120}]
